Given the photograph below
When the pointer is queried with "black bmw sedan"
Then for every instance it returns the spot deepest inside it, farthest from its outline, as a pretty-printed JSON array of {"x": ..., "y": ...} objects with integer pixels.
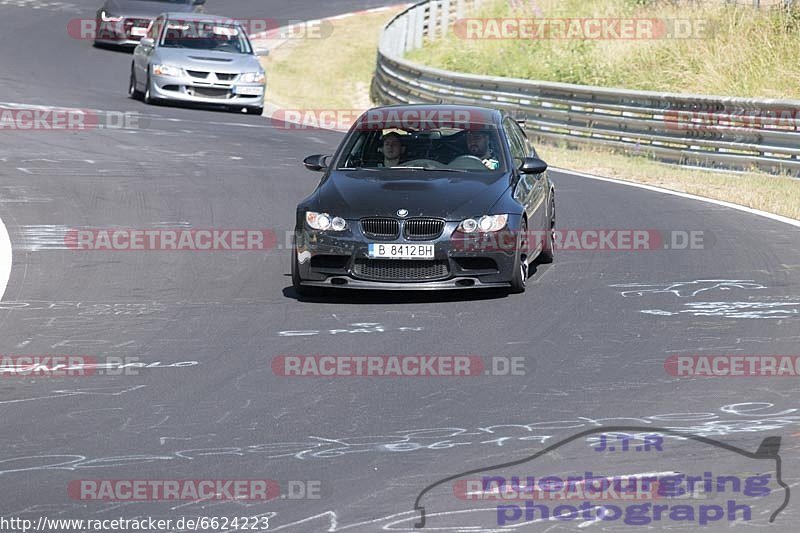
[
  {"x": 424, "y": 197},
  {"x": 125, "y": 22}
]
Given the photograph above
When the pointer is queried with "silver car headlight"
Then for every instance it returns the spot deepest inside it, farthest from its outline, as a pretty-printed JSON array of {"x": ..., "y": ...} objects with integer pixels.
[
  {"x": 167, "y": 70},
  {"x": 325, "y": 222},
  {"x": 252, "y": 77},
  {"x": 485, "y": 224}
]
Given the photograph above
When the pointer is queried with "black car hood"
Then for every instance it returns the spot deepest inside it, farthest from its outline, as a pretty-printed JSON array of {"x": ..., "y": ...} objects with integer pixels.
[
  {"x": 139, "y": 8},
  {"x": 449, "y": 195}
]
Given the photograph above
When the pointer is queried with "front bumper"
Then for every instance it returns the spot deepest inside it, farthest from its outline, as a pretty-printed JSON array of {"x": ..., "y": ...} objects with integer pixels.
[
  {"x": 340, "y": 260},
  {"x": 461, "y": 282},
  {"x": 189, "y": 89},
  {"x": 122, "y": 41}
]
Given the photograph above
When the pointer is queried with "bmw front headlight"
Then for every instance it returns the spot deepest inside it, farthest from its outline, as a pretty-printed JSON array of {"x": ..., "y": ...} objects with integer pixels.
[
  {"x": 167, "y": 70},
  {"x": 484, "y": 224},
  {"x": 325, "y": 222},
  {"x": 252, "y": 77}
]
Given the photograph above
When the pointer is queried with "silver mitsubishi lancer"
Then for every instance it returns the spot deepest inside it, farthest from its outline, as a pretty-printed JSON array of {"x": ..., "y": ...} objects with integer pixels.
[{"x": 205, "y": 59}]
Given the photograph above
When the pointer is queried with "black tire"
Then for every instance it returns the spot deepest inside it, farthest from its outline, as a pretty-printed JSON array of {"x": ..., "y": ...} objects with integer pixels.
[
  {"x": 258, "y": 111},
  {"x": 520, "y": 278},
  {"x": 548, "y": 254},
  {"x": 133, "y": 92},
  {"x": 148, "y": 97},
  {"x": 299, "y": 289}
]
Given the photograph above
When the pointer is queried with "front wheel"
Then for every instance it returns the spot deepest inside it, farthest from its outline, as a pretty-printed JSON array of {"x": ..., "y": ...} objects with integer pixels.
[
  {"x": 548, "y": 254},
  {"x": 299, "y": 288},
  {"x": 520, "y": 278},
  {"x": 133, "y": 92},
  {"x": 255, "y": 111},
  {"x": 149, "y": 99}
]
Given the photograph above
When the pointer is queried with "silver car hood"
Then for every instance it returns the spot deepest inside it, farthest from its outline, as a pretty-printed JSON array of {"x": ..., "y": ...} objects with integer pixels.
[{"x": 207, "y": 60}]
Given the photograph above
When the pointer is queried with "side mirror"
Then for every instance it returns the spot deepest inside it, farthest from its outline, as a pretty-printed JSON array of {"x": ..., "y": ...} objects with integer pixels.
[
  {"x": 147, "y": 42},
  {"x": 533, "y": 165},
  {"x": 316, "y": 162}
]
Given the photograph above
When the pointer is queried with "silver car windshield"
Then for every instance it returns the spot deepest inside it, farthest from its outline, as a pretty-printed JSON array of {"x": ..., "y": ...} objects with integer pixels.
[{"x": 205, "y": 35}]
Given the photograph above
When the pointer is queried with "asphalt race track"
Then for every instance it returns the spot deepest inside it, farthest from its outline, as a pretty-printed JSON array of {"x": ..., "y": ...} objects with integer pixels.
[{"x": 594, "y": 328}]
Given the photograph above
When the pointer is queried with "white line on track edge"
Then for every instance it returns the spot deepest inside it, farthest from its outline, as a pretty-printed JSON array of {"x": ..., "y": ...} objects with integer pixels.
[
  {"x": 652, "y": 188},
  {"x": 5, "y": 258}
]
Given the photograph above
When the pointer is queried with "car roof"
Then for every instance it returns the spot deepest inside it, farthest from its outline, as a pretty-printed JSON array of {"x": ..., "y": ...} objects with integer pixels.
[
  {"x": 199, "y": 17},
  {"x": 487, "y": 112}
]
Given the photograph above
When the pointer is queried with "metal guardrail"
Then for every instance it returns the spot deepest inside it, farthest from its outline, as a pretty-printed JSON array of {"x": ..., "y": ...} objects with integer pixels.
[{"x": 687, "y": 129}]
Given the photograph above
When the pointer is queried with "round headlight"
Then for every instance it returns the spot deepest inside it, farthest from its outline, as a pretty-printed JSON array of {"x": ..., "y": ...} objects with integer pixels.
[
  {"x": 486, "y": 223},
  {"x": 469, "y": 225},
  {"x": 338, "y": 224},
  {"x": 323, "y": 221}
]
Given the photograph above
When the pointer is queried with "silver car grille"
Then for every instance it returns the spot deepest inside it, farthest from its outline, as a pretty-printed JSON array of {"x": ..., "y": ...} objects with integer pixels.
[
  {"x": 211, "y": 92},
  {"x": 204, "y": 75}
]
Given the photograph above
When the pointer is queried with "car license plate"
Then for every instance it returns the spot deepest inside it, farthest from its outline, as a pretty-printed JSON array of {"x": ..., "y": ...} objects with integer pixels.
[
  {"x": 400, "y": 251},
  {"x": 139, "y": 32},
  {"x": 248, "y": 91}
]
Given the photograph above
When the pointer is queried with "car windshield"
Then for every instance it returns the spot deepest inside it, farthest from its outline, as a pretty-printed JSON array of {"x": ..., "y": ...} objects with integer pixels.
[
  {"x": 473, "y": 148},
  {"x": 205, "y": 35}
]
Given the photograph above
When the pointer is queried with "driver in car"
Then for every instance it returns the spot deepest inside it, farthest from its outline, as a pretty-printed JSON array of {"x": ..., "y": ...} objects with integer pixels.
[
  {"x": 393, "y": 149},
  {"x": 479, "y": 146}
]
